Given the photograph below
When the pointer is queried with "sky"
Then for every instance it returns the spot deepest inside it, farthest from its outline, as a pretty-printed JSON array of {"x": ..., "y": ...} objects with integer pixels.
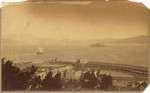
[{"x": 74, "y": 21}]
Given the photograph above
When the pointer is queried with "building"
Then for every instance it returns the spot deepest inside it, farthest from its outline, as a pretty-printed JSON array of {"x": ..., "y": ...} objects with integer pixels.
[
  {"x": 69, "y": 74},
  {"x": 67, "y": 71},
  {"x": 77, "y": 75}
]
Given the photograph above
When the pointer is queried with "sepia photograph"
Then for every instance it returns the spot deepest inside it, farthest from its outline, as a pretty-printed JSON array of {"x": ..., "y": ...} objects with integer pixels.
[{"x": 74, "y": 46}]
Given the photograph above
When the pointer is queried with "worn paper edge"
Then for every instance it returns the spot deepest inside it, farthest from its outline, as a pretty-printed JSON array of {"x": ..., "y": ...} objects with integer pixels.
[{"x": 145, "y": 2}]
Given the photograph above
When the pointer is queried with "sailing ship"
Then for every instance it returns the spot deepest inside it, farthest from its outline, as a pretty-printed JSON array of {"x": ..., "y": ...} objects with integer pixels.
[{"x": 40, "y": 51}]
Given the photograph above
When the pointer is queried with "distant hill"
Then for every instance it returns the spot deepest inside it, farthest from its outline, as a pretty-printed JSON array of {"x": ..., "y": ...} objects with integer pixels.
[
  {"x": 21, "y": 39},
  {"x": 98, "y": 45},
  {"x": 132, "y": 40},
  {"x": 10, "y": 41}
]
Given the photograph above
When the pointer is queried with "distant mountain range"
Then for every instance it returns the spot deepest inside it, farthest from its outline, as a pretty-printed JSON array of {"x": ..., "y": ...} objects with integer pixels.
[
  {"x": 10, "y": 41},
  {"x": 21, "y": 39},
  {"x": 92, "y": 43},
  {"x": 133, "y": 40}
]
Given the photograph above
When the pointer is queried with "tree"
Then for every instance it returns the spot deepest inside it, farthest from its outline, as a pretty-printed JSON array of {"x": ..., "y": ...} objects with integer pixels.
[
  {"x": 106, "y": 81},
  {"x": 25, "y": 78},
  {"x": 52, "y": 83},
  {"x": 89, "y": 80},
  {"x": 14, "y": 79},
  {"x": 36, "y": 83},
  {"x": 48, "y": 82},
  {"x": 58, "y": 83},
  {"x": 8, "y": 72},
  {"x": 110, "y": 80}
]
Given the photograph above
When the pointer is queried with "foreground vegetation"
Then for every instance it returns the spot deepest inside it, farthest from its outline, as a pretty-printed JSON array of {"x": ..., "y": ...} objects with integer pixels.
[{"x": 14, "y": 79}]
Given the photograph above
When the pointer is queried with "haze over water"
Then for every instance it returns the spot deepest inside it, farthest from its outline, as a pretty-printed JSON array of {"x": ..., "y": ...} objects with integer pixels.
[{"x": 122, "y": 54}]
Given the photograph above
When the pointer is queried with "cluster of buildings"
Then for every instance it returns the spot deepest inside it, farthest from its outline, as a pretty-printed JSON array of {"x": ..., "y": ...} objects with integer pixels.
[{"x": 67, "y": 71}]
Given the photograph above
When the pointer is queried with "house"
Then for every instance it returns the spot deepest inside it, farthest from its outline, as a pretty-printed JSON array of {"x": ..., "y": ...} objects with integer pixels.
[
  {"x": 77, "y": 75},
  {"x": 66, "y": 71},
  {"x": 69, "y": 74}
]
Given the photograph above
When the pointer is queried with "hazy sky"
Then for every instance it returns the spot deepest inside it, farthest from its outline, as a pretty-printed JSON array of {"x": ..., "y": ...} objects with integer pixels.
[{"x": 69, "y": 21}]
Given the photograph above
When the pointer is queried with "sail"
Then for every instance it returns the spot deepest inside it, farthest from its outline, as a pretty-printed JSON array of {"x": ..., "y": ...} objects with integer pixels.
[{"x": 40, "y": 50}]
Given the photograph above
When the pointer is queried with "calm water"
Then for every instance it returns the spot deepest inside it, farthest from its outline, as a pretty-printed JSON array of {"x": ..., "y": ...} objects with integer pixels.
[{"x": 124, "y": 54}]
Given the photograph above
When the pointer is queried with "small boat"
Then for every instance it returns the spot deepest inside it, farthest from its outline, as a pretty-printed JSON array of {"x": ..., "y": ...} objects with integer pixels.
[{"x": 40, "y": 51}]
